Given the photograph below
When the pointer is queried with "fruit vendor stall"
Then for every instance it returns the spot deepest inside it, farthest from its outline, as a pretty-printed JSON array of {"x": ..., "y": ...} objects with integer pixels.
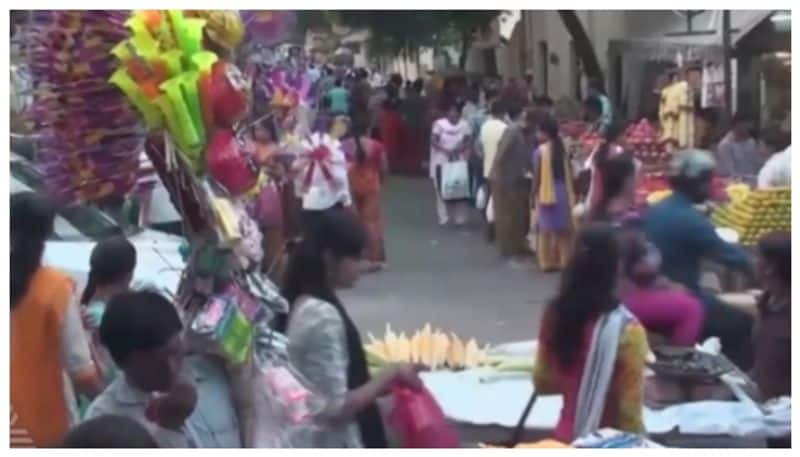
[{"x": 746, "y": 216}]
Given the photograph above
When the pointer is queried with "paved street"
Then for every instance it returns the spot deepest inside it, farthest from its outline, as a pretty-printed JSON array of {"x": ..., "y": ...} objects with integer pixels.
[{"x": 450, "y": 278}]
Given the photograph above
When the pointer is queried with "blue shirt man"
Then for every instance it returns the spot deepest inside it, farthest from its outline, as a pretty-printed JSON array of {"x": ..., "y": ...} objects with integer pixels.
[{"x": 685, "y": 237}]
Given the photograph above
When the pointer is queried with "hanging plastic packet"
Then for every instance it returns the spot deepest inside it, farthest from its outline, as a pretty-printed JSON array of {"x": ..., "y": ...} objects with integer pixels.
[
  {"x": 236, "y": 336},
  {"x": 228, "y": 220},
  {"x": 248, "y": 251},
  {"x": 212, "y": 261},
  {"x": 285, "y": 388},
  {"x": 264, "y": 289},
  {"x": 223, "y": 327},
  {"x": 252, "y": 309},
  {"x": 277, "y": 406}
]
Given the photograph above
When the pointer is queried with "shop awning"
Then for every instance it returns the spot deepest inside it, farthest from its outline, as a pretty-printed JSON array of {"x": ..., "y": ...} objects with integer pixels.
[
  {"x": 747, "y": 21},
  {"x": 742, "y": 22}
]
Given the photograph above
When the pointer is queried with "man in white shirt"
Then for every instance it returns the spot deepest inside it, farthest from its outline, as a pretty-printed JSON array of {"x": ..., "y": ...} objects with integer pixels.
[
  {"x": 376, "y": 80},
  {"x": 777, "y": 172},
  {"x": 326, "y": 192},
  {"x": 738, "y": 153},
  {"x": 489, "y": 137},
  {"x": 491, "y": 132}
]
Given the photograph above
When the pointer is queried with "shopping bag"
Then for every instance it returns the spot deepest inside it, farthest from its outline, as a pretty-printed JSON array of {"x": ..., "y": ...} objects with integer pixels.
[
  {"x": 482, "y": 197},
  {"x": 419, "y": 421},
  {"x": 533, "y": 233},
  {"x": 490, "y": 211},
  {"x": 454, "y": 180},
  {"x": 277, "y": 408}
]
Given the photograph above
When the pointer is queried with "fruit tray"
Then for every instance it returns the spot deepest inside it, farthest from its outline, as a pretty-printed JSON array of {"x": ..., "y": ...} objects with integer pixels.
[{"x": 689, "y": 365}]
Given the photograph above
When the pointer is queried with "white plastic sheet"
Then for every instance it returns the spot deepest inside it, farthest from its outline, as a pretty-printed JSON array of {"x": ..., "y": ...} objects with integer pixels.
[{"x": 467, "y": 397}]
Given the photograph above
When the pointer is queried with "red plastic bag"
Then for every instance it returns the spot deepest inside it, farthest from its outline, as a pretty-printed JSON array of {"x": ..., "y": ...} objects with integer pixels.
[
  {"x": 419, "y": 421},
  {"x": 228, "y": 162}
]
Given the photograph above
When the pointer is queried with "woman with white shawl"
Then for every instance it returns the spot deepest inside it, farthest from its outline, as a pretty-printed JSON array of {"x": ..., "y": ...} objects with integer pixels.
[{"x": 592, "y": 350}]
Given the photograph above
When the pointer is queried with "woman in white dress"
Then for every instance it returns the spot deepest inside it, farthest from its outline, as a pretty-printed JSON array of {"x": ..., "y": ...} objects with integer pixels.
[
  {"x": 450, "y": 141},
  {"x": 324, "y": 343}
]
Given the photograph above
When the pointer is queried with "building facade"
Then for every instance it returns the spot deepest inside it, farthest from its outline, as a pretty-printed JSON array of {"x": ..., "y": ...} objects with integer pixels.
[{"x": 542, "y": 46}]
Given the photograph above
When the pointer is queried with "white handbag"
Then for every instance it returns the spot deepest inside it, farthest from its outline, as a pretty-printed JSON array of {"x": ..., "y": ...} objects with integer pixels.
[
  {"x": 490, "y": 210},
  {"x": 454, "y": 180},
  {"x": 482, "y": 198}
]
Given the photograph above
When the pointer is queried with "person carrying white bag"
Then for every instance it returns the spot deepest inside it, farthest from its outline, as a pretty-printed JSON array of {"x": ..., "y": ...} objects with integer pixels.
[{"x": 449, "y": 170}]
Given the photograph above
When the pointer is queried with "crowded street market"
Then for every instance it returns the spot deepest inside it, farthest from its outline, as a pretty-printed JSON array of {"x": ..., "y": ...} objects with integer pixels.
[{"x": 196, "y": 195}]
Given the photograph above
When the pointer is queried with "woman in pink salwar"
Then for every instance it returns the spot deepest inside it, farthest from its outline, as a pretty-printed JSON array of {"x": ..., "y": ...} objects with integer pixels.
[{"x": 662, "y": 306}]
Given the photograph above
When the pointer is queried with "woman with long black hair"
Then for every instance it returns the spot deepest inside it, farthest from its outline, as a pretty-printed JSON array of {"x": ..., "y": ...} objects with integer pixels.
[
  {"x": 111, "y": 267},
  {"x": 619, "y": 190},
  {"x": 596, "y": 164},
  {"x": 553, "y": 197},
  {"x": 591, "y": 348},
  {"x": 47, "y": 338},
  {"x": 324, "y": 343}
]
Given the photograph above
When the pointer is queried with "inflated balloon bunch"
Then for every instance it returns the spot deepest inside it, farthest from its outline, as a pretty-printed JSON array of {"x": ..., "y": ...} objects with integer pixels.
[
  {"x": 88, "y": 137},
  {"x": 289, "y": 88},
  {"x": 175, "y": 82}
]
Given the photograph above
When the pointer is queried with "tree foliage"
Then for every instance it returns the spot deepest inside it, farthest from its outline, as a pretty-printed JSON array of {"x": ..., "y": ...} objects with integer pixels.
[{"x": 397, "y": 31}]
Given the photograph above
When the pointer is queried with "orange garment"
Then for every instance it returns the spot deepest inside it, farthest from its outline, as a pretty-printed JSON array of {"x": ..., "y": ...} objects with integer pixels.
[
  {"x": 365, "y": 186},
  {"x": 394, "y": 136},
  {"x": 369, "y": 212},
  {"x": 37, "y": 383}
]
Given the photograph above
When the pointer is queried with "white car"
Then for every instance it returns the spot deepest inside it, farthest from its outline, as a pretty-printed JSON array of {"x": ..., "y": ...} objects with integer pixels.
[{"x": 79, "y": 226}]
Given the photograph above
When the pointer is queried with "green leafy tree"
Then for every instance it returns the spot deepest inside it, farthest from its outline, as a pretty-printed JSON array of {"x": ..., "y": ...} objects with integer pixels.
[
  {"x": 464, "y": 26},
  {"x": 396, "y": 32}
]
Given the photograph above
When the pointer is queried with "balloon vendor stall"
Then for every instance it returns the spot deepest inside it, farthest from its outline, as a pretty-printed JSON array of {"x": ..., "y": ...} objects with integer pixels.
[{"x": 111, "y": 83}]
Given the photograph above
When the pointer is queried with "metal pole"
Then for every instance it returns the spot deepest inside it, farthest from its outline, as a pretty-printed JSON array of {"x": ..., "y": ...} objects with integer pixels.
[{"x": 726, "y": 64}]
